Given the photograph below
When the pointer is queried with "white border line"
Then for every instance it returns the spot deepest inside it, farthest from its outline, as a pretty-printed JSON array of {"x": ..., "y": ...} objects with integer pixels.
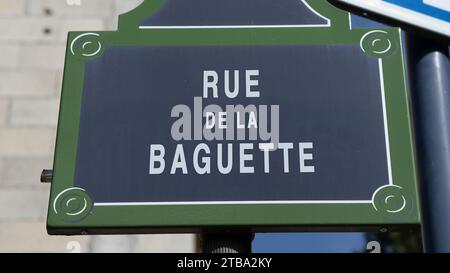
[
  {"x": 232, "y": 203},
  {"x": 386, "y": 128},
  {"x": 230, "y": 26},
  {"x": 350, "y": 24}
]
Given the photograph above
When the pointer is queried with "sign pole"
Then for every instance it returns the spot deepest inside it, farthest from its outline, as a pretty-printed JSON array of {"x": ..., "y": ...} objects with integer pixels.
[
  {"x": 227, "y": 242},
  {"x": 430, "y": 84}
]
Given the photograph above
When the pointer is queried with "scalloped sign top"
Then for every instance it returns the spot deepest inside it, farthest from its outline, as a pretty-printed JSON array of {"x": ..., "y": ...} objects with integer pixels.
[{"x": 168, "y": 14}]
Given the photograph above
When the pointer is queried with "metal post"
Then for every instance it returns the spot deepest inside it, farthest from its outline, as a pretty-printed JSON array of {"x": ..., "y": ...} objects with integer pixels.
[
  {"x": 227, "y": 242},
  {"x": 430, "y": 84}
]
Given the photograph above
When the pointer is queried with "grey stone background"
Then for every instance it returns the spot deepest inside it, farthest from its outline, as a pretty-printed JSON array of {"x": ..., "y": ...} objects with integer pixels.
[{"x": 32, "y": 45}]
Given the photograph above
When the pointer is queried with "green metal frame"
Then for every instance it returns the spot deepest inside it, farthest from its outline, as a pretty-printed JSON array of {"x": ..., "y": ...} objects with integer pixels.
[{"x": 392, "y": 206}]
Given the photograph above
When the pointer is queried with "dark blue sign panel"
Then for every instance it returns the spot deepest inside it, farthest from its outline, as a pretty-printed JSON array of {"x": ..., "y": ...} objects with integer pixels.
[{"x": 197, "y": 124}]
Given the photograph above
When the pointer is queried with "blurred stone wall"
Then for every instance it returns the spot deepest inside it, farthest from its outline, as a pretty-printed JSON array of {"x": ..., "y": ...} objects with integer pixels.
[{"x": 32, "y": 45}]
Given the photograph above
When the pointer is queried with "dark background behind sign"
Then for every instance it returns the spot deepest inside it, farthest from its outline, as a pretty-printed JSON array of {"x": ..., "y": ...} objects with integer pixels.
[{"x": 329, "y": 95}]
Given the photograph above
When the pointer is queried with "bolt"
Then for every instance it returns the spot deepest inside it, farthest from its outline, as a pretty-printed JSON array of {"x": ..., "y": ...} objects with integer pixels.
[{"x": 46, "y": 176}]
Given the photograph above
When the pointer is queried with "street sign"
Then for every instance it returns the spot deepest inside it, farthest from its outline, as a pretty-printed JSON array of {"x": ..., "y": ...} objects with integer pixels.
[
  {"x": 259, "y": 114},
  {"x": 433, "y": 15}
]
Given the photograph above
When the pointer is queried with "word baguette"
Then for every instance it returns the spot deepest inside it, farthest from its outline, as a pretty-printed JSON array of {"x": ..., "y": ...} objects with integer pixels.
[{"x": 201, "y": 160}]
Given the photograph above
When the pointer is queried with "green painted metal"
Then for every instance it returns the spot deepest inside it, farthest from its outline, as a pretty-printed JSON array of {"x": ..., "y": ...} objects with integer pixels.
[{"x": 177, "y": 218}]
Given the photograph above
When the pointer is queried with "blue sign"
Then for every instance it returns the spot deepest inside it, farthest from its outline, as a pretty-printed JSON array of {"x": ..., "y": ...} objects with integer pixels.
[
  {"x": 435, "y": 8},
  {"x": 433, "y": 15}
]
